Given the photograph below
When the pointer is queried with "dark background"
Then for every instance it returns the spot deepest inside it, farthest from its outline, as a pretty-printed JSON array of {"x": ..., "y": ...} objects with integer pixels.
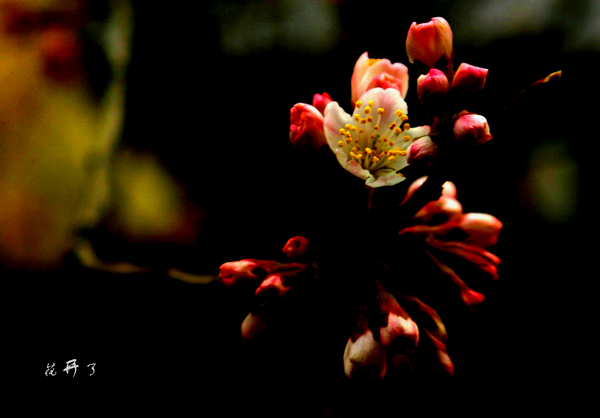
[{"x": 216, "y": 113}]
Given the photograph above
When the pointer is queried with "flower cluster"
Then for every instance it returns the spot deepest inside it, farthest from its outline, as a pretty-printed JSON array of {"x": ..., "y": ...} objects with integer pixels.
[
  {"x": 373, "y": 142},
  {"x": 445, "y": 93},
  {"x": 393, "y": 312}
]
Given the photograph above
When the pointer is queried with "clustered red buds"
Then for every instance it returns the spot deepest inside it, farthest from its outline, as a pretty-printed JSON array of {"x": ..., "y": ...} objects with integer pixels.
[
  {"x": 445, "y": 94},
  {"x": 374, "y": 143},
  {"x": 445, "y": 228},
  {"x": 274, "y": 282},
  {"x": 366, "y": 354}
]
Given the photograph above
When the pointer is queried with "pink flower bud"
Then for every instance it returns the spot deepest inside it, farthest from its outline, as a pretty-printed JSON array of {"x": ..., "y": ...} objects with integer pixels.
[
  {"x": 320, "y": 101},
  {"x": 306, "y": 128},
  {"x": 428, "y": 42},
  {"x": 370, "y": 73},
  {"x": 470, "y": 78},
  {"x": 431, "y": 89},
  {"x": 424, "y": 150},
  {"x": 469, "y": 127}
]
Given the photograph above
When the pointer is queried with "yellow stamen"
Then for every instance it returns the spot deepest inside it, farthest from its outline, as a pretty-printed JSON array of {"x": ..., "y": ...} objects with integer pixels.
[
  {"x": 340, "y": 143},
  {"x": 358, "y": 104},
  {"x": 368, "y": 109},
  {"x": 371, "y": 103},
  {"x": 407, "y": 138},
  {"x": 380, "y": 111}
]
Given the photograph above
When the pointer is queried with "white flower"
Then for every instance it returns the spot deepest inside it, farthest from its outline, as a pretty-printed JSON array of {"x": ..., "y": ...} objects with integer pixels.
[{"x": 373, "y": 142}]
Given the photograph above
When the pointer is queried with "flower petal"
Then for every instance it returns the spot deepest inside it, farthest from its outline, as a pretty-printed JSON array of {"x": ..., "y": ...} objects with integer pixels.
[
  {"x": 384, "y": 177},
  {"x": 335, "y": 119},
  {"x": 366, "y": 70},
  {"x": 352, "y": 166}
]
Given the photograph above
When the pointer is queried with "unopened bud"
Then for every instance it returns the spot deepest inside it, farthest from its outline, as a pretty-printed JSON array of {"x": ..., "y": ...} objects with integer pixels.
[
  {"x": 306, "y": 128},
  {"x": 472, "y": 128},
  {"x": 431, "y": 89},
  {"x": 469, "y": 78},
  {"x": 429, "y": 42}
]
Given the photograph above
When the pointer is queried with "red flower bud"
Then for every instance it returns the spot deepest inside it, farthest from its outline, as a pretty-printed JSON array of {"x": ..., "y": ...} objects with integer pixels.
[
  {"x": 472, "y": 128},
  {"x": 424, "y": 150},
  {"x": 469, "y": 78},
  {"x": 306, "y": 127},
  {"x": 431, "y": 89},
  {"x": 428, "y": 42}
]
